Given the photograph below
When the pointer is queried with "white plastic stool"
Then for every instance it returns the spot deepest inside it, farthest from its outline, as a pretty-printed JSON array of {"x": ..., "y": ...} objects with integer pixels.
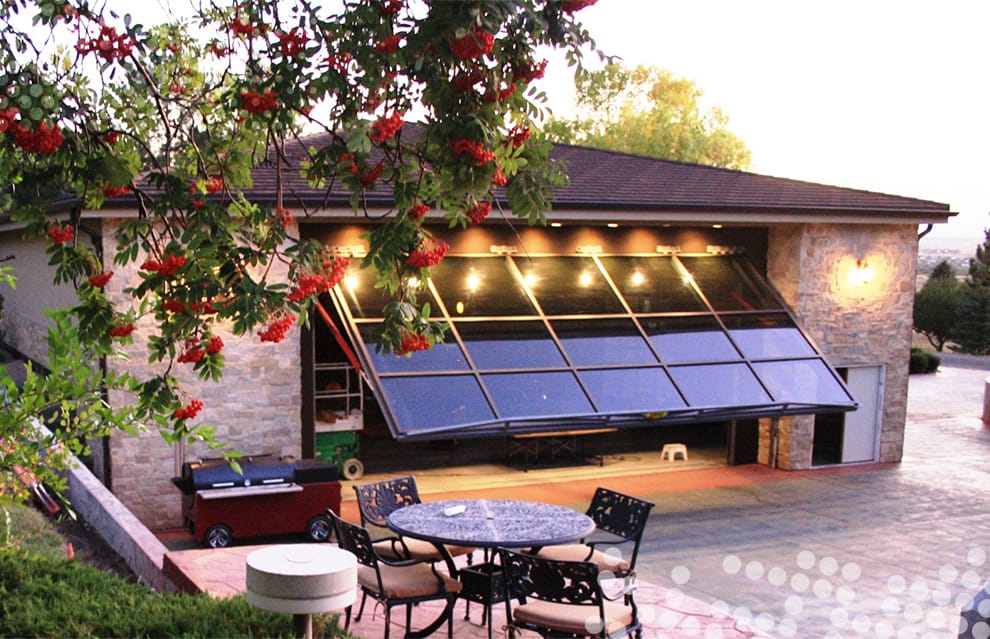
[{"x": 670, "y": 452}]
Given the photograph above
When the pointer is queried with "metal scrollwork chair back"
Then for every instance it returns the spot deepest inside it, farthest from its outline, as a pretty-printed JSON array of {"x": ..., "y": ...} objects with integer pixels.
[
  {"x": 392, "y": 583},
  {"x": 619, "y": 521},
  {"x": 377, "y": 500},
  {"x": 565, "y": 599}
]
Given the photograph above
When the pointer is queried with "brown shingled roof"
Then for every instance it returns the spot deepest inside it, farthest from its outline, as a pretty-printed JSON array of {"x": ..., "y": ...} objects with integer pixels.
[{"x": 613, "y": 181}]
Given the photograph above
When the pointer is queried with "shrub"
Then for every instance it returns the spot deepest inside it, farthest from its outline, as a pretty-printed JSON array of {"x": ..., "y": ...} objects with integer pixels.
[{"x": 923, "y": 362}]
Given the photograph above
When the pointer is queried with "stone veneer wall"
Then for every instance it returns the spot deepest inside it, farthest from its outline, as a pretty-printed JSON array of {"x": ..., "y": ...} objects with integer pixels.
[
  {"x": 853, "y": 325},
  {"x": 255, "y": 407}
]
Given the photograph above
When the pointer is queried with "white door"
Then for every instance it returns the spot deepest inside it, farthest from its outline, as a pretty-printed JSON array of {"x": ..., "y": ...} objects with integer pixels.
[{"x": 862, "y": 427}]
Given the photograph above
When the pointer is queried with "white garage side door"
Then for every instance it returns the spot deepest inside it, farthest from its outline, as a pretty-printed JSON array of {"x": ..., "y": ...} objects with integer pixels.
[{"x": 862, "y": 427}]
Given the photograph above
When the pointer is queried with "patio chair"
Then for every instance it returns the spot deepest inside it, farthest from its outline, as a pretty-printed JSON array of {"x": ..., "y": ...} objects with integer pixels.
[
  {"x": 566, "y": 599},
  {"x": 395, "y": 583},
  {"x": 377, "y": 500},
  {"x": 613, "y": 547}
]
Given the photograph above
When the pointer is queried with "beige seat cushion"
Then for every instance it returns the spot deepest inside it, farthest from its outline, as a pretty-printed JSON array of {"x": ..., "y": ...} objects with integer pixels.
[
  {"x": 406, "y": 582},
  {"x": 609, "y": 562},
  {"x": 418, "y": 549},
  {"x": 573, "y": 618}
]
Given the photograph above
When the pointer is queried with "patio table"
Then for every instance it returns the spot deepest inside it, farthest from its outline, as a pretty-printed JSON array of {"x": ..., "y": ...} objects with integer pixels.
[{"x": 488, "y": 524}]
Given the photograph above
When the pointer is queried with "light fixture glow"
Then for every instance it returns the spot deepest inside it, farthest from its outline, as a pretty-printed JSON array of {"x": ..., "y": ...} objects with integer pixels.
[
  {"x": 351, "y": 282},
  {"x": 612, "y": 225},
  {"x": 716, "y": 226},
  {"x": 556, "y": 225},
  {"x": 861, "y": 274},
  {"x": 413, "y": 281},
  {"x": 459, "y": 307},
  {"x": 530, "y": 279},
  {"x": 473, "y": 282},
  {"x": 638, "y": 278},
  {"x": 585, "y": 278}
]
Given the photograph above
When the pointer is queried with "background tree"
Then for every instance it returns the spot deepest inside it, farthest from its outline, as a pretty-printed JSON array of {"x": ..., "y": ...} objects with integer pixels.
[
  {"x": 648, "y": 111},
  {"x": 175, "y": 116},
  {"x": 935, "y": 305},
  {"x": 971, "y": 331}
]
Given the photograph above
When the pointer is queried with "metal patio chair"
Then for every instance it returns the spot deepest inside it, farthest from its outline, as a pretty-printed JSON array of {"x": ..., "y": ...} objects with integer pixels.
[
  {"x": 620, "y": 521},
  {"x": 377, "y": 500},
  {"x": 394, "y": 583},
  {"x": 560, "y": 599}
]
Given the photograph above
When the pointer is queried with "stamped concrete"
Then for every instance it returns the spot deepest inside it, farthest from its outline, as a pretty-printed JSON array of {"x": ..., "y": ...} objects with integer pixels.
[{"x": 881, "y": 550}]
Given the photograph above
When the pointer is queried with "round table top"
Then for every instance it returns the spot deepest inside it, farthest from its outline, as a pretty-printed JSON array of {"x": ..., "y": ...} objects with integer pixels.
[{"x": 491, "y": 522}]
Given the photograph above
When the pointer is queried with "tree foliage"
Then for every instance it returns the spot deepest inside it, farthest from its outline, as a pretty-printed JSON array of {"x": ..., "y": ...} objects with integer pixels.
[
  {"x": 648, "y": 111},
  {"x": 971, "y": 331},
  {"x": 174, "y": 116},
  {"x": 935, "y": 305}
]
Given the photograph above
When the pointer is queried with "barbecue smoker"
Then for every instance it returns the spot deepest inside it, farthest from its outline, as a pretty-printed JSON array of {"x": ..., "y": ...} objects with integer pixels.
[{"x": 271, "y": 496}]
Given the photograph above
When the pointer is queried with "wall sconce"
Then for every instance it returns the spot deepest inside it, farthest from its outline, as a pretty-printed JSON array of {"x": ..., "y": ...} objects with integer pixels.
[{"x": 861, "y": 274}]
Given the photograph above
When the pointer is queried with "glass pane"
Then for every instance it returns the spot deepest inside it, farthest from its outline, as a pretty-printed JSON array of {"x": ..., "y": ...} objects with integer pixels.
[
  {"x": 632, "y": 390},
  {"x": 601, "y": 342},
  {"x": 532, "y": 395},
  {"x": 569, "y": 286},
  {"x": 719, "y": 385},
  {"x": 767, "y": 336},
  {"x": 652, "y": 284},
  {"x": 499, "y": 345},
  {"x": 426, "y": 403},
  {"x": 475, "y": 286},
  {"x": 805, "y": 381},
  {"x": 359, "y": 293},
  {"x": 442, "y": 357},
  {"x": 729, "y": 284},
  {"x": 688, "y": 339}
]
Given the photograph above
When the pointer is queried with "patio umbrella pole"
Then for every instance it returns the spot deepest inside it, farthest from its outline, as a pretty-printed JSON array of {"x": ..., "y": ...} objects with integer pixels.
[{"x": 302, "y": 626}]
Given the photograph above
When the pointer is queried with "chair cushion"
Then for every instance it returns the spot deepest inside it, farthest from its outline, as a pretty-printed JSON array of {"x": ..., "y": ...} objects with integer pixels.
[
  {"x": 573, "y": 618},
  {"x": 418, "y": 549},
  {"x": 406, "y": 582},
  {"x": 606, "y": 561}
]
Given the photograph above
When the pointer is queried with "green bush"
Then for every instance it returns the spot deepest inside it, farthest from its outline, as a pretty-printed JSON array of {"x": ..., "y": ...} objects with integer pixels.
[
  {"x": 923, "y": 361},
  {"x": 51, "y": 597}
]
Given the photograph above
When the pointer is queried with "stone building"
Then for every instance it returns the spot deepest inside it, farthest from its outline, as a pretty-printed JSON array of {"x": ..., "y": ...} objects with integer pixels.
[{"x": 779, "y": 311}]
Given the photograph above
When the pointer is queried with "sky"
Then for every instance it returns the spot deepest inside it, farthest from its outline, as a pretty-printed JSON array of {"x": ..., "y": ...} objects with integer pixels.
[{"x": 870, "y": 94}]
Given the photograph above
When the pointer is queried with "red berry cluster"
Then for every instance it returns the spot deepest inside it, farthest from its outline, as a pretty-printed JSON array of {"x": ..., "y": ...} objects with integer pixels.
[
  {"x": 390, "y": 7},
  {"x": 464, "y": 82},
  {"x": 166, "y": 267},
  {"x": 189, "y": 411},
  {"x": 109, "y": 45},
  {"x": 8, "y": 120},
  {"x": 390, "y": 44},
  {"x": 214, "y": 184},
  {"x": 412, "y": 342},
  {"x": 219, "y": 51},
  {"x": 121, "y": 331},
  {"x": 258, "y": 104},
  {"x": 570, "y": 6},
  {"x": 368, "y": 178},
  {"x": 110, "y": 191},
  {"x": 473, "y": 45},
  {"x": 215, "y": 345},
  {"x": 386, "y": 127},
  {"x": 173, "y": 306},
  {"x": 499, "y": 178},
  {"x": 479, "y": 153},
  {"x": 428, "y": 253},
  {"x": 192, "y": 355},
  {"x": 111, "y": 137},
  {"x": 59, "y": 234},
  {"x": 339, "y": 61},
  {"x": 283, "y": 217},
  {"x": 205, "y": 307},
  {"x": 479, "y": 212},
  {"x": 43, "y": 140},
  {"x": 529, "y": 73},
  {"x": 240, "y": 27},
  {"x": 292, "y": 43},
  {"x": 319, "y": 282},
  {"x": 100, "y": 280},
  {"x": 277, "y": 330},
  {"x": 501, "y": 95},
  {"x": 517, "y": 136},
  {"x": 417, "y": 211}
]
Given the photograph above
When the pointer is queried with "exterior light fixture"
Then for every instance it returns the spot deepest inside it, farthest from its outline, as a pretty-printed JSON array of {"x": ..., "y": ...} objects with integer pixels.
[
  {"x": 459, "y": 307},
  {"x": 861, "y": 274},
  {"x": 351, "y": 282},
  {"x": 473, "y": 282},
  {"x": 556, "y": 225},
  {"x": 585, "y": 278},
  {"x": 612, "y": 225},
  {"x": 413, "y": 282},
  {"x": 716, "y": 226},
  {"x": 530, "y": 279},
  {"x": 638, "y": 278}
]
